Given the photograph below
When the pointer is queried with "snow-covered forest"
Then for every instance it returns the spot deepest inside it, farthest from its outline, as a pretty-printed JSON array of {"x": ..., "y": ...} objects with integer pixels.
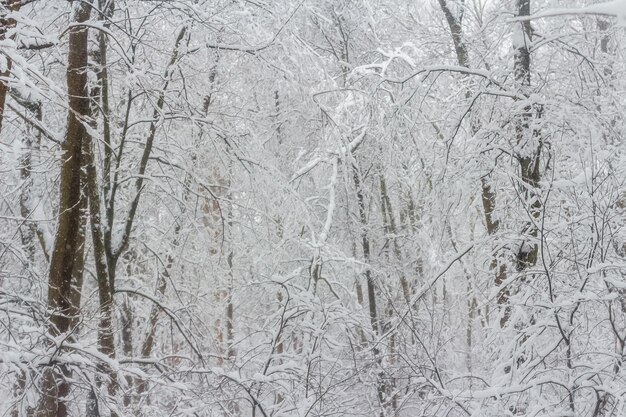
[{"x": 307, "y": 208}]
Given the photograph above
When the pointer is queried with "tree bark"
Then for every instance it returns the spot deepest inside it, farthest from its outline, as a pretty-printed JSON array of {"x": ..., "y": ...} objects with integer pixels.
[
  {"x": 5, "y": 25},
  {"x": 371, "y": 288},
  {"x": 106, "y": 342},
  {"x": 389, "y": 222},
  {"x": 488, "y": 194},
  {"x": 365, "y": 247},
  {"x": 530, "y": 156},
  {"x": 55, "y": 386}
]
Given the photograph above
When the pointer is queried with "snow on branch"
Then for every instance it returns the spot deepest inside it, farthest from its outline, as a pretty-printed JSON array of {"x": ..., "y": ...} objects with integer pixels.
[
  {"x": 343, "y": 150},
  {"x": 616, "y": 8}
]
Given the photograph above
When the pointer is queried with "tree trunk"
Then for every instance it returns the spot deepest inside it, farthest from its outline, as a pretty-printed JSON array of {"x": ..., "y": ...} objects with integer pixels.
[
  {"x": 148, "y": 343},
  {"x": 371, "y": 288},
  {"x": 5, "y": 25},
  {"x": 365, "y": 247},
  {"x": 55, "y": 386},
  {"x": 488, "y": 194},
  {"x": 104, "y": 266},
  {"x": 390, "y": 226},
  {"x": 530, "y": 157}
]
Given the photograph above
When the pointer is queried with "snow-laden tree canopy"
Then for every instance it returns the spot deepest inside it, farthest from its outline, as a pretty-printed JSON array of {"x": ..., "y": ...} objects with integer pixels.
[{"x": 390, "y": 208}]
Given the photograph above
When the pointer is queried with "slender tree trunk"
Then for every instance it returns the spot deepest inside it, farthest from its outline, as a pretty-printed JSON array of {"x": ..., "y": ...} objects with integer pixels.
[
  {"x": 392, "y": 231},
  {"x": 371, "y": 287},
  {"x": 230, "y": 311},
  {"x": 29, "y": 232},
  {"x": 5, "y": 25},
  {"x": 365, "y": 247},
  {"x": 148, "y": 343},
  {"x": 528, "y": 139},
  {"x": 106, "y": 342},
  {"x": 108, "y": 8},
  {"x": 55, "y": 386},
  {"x": 359, "y": 297},
  {"x": 104, "y": 261},
  {"x": 228, "y": 299},
  {"x": 126, "y": 323},
  {"x": 488, "y": 193},
  {"x": 389, "y": 223},
  {"x": 530, "y": 144}
]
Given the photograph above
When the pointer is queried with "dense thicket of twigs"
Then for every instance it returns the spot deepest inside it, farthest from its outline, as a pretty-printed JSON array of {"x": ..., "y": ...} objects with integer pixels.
[{"x": 312, "y": 208}]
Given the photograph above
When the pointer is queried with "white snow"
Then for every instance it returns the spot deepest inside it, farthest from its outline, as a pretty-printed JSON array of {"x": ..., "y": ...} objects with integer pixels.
[{"x": 615, "y": 8}]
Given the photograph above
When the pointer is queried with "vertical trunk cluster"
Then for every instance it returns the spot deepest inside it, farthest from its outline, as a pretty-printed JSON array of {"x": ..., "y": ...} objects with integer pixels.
[
  {"x": 488, "y": 194},
  {"x": 55, "y": 386},
  {"x": 106, "y": 342},
  {"x": 382, "y": 387},
  {"x": 219, "y": 223},
  {"x": 385, "y": 384},
  {"x": 365, "y": 247},
  {"x": 390, "y": 228},
  {"x": 105, "y": 266},
  {"x": 527, "y": 137},
  {"x": 107, "y": 254}
]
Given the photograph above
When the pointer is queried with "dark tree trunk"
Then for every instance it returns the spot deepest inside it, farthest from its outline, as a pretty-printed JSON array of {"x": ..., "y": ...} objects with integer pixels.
[{"x": 55, "y": 386}]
